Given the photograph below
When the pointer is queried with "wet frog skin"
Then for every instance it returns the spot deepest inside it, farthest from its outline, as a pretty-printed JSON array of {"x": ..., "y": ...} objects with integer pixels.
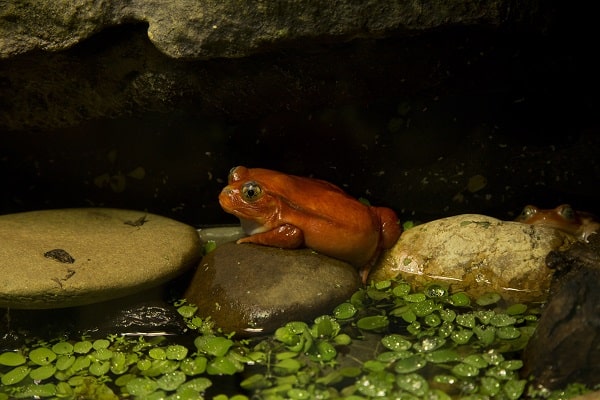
[
  {"x": 287, "y": 211},
  {"x": 577, "y": 223}
]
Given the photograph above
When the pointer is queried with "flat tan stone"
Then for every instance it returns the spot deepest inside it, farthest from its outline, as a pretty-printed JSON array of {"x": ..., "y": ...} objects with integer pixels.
[{"x": 92, "y": 254}]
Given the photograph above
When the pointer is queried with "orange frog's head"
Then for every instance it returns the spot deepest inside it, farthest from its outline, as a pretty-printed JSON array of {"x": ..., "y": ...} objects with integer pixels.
[
  {"x": 561, "y": 217},
  {"x": 247, "y": 198},
  {"x": 564, "y": 217}
]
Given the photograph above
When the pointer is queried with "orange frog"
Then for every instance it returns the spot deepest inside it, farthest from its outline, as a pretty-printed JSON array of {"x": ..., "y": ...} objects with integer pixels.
[
  {"x": 290, "y": 211},
  {"x": 577, "y": 223}
]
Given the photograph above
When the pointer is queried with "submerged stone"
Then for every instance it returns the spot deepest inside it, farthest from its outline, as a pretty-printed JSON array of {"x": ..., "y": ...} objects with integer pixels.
[
  {"x": 476, "y": 254},
  {"x": 251, "y": 289},
  {"x": 145, "y": 313},
  {"x": 71, "y": 257}
]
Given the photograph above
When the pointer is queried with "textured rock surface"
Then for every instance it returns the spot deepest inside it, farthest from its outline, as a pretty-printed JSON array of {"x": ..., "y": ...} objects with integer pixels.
[
  {"x": 477, "y": 254},
  {"x": 70, "y": 257},
  {"x": 567, "y": 336},
  {"x": 208, "y": 29},
  {"x": 251, "y": 289}
]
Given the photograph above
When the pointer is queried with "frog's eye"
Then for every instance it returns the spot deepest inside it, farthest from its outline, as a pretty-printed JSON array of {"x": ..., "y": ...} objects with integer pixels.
[
  {"x": 528, "y": 212},
  {"x": 251, "y": 191},
  {"x": 567, "y": 212}
]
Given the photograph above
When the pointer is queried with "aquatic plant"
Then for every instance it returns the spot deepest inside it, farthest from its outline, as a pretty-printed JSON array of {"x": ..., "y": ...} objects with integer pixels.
[{"x": 385, "y": 341}]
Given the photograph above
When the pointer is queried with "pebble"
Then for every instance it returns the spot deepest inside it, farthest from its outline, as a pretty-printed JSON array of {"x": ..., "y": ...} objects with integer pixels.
[
  {"x": 73, "y": 257},
  {"x": 250, "y": 289},
  {"x": 476, "y": 254}
]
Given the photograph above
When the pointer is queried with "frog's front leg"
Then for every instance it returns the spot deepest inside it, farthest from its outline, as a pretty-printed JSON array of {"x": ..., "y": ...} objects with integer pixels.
[{"x": 285, "y": 236}]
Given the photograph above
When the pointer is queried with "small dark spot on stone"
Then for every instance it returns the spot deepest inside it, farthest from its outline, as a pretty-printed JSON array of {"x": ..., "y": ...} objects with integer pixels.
[
  {"x": 60, "y": 255},
  {"x": 138, "y": 222},
  {"x": 69, "y": 274}
]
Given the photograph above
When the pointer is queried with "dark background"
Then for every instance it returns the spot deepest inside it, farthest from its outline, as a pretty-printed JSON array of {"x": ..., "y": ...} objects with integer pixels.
[{"x": 453, "y": 121}]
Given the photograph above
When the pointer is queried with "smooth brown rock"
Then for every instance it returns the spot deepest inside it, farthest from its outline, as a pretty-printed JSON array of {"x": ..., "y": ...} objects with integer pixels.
[
  {"x": 251, "y": 289},
  {"x": 71, "y": 257},
  {"x": 476, "y": 254}
]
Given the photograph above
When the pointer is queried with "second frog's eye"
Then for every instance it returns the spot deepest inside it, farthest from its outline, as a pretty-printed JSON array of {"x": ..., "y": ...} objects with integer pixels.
[
  {"x": 528, "y": 212},
  {"x": 251, "y": 191},
  {"x": 566, "y": 211}
]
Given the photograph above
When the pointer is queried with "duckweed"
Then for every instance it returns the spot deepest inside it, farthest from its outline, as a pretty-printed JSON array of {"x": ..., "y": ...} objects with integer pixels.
[
  {"x": 384, "y": 342},
  {"x": 12, "y": 359}
]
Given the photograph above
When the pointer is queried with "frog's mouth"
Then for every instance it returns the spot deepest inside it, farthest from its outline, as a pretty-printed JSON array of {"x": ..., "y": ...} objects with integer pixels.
[{"x": 252, "y": 227}]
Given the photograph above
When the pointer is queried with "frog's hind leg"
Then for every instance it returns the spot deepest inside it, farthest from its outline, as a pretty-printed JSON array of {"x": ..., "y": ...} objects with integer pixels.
[{"x": 366, "y": 269}]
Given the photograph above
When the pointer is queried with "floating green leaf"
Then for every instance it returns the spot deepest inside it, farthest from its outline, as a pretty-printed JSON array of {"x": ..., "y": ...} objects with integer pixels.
[
  {"x": 401, "y": 290},
  {"x": 413, "y": 383},
  {"x": 42, "y": 356},
  {"x": 99, "y": 368},
  {"x": 287, "y": 366},
  {"x": 15, "y": 375},
  {"x": 43, "y": 372},
  {"x": 516, "y": 309},
  {"x": 65, "y": 361},
  {"x": 415, "y": 297},
  {"x": 157, "y": 354},
  {"x": 198, "y": 385},
  {"x": 100, "y": 344},
  {"x": 213, "y": 345},
  {"x": 490, "y": 386},
  {"x": 82, "y": 347},
  {"x": 508, "y": 332},
  {"x": 187, "y": 311},
  {"x": 486, "y": 334},
  {"x": 460, "y": 299},
  {"x": 222, "y": 366},
  {"x": 442, "y": 356},
  {"x": 476, "y": 360},
  {"x": 176, "y": 352},
  {"x": 428, "y": 344},
  {"x": 395, "y": 342},
  {"x": 374, "y": 322},
  {"x": 514, "y": 388},
  {"x": 342, "y": 339},
  {"x": 410, "y": 364},
  {"x": 465, "y": 370},
  {"x": 488, "y": 299},
  {"x": 499, "y": 320},
  {"x": 171, "y": 380},
  {"x": 141, "y": 387},
  {"x": 423, "y": 308},
  {"x": 62, "y": 348},
  {"x": 12, "y": 359},
  {"x": 433, "y": 320},
  {"x": 193, "y": 366},
  {"x": 466, "y": 320},
  {"x": 344, "y": 311}
]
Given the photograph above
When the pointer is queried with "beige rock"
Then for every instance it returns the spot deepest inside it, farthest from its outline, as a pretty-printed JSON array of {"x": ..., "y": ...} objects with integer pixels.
[
  {"x": 476, "y": 254},
  {"x": 71, "y": 257}
]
